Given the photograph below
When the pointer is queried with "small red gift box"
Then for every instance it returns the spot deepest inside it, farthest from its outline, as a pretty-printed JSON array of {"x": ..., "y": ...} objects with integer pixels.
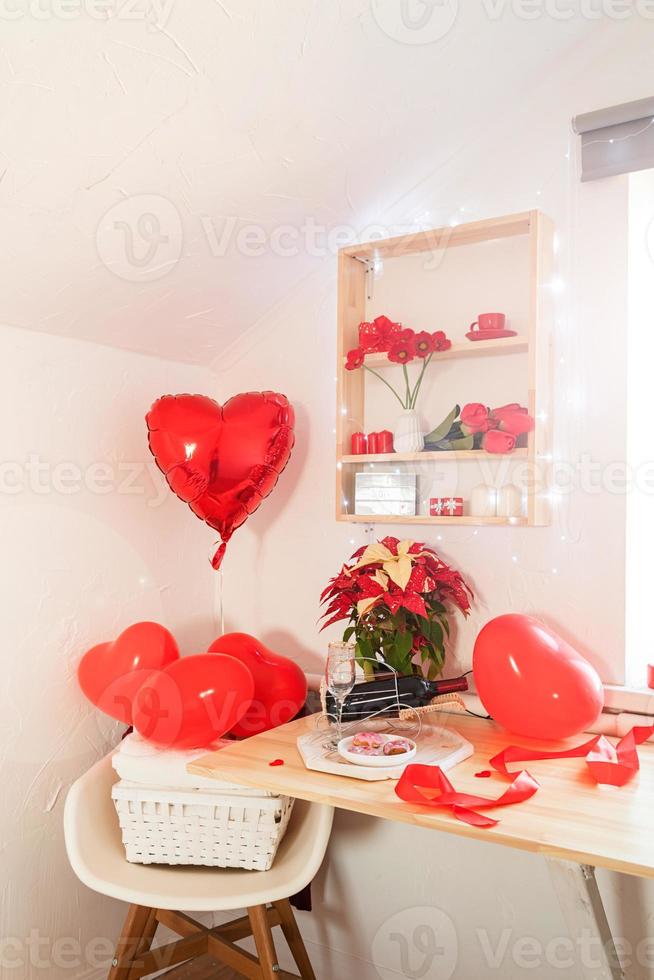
[
  {"x": 446, "y": 507},
  {"x": 368, "y": 337}
]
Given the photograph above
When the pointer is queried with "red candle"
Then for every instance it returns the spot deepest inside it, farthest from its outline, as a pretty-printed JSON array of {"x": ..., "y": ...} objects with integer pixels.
[
  {"x": 359, "y": 443},
  {"x": 373, "y": 442},
  {"x": 384, "y": 441}
]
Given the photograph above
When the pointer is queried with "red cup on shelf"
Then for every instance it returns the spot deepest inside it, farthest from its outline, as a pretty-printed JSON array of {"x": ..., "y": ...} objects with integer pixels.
[
  {"x": 359, "y": 443},
  {"x": 373, "y": 442},
  {"x": 489, "y": 321},
  {"x": 384, "y": 441}
]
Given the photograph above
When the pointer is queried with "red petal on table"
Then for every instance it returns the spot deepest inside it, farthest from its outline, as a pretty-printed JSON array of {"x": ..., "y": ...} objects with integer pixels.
[
  {"x": 276, "y": 762},
  {"x": 484, "y": 774},
  {"x": 429, "y": 786}
]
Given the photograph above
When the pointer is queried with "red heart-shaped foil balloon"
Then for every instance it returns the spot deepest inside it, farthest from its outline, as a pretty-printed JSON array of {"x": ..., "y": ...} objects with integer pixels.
[
  {"x": 110, "y": 674},
  {"x": 222, "y": 460}
]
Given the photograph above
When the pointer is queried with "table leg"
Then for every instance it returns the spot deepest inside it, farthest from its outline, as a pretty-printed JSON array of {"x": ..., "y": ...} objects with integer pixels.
[{"x": 583, "y": 910}]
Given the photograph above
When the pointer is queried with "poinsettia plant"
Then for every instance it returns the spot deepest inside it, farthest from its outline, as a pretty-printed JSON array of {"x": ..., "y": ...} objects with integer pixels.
[
  {"x": 396, "y": 597},
  {"x": 401, "y": 346}
]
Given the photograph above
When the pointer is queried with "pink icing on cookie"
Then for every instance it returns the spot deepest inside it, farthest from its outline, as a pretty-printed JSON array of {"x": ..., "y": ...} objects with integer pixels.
[
  {"x": 397, "y": 746},
  {"x": 368, "y": 740}
]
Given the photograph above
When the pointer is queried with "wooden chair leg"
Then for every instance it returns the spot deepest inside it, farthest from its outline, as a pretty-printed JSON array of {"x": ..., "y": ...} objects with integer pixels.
[
  {"x": 294, "y": 939},
  {"x": 264, "y": 942},
  {"x": 135, "y": 939},
  {"x": 148, "y": 937}
]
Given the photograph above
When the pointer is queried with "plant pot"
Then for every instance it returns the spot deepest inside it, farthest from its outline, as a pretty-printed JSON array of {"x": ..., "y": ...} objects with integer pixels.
[{"x": 407, "y": 433}]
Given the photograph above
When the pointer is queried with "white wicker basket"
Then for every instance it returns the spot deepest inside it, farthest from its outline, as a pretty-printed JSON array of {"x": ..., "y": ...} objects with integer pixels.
[{"x": 234, "y": 829}]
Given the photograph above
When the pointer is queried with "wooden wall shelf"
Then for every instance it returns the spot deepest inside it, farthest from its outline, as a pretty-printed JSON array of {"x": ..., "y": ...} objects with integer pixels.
[
  {"x": 466, "y": 520},
  {"x": 503, "y": 263},
  {"x": 470, "y": 348},
  {"x": 470, "y": 455}
]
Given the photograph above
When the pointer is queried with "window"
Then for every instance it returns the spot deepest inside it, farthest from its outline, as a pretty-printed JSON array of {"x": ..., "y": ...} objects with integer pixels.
[{"x": 639, "y": 577}]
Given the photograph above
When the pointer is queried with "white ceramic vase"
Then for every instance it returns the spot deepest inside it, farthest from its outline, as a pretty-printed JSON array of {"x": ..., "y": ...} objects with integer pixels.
[{"x": 407, "y": 433}]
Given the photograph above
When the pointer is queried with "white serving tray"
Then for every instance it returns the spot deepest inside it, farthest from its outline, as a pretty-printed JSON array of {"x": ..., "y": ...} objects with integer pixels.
[{"x": 437, "y": 746}]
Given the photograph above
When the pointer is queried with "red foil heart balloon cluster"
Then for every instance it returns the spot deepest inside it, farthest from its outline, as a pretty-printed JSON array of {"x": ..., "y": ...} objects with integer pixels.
[
  {"x": 239, "y": 687},
  {"x": 222, "y": 460}
]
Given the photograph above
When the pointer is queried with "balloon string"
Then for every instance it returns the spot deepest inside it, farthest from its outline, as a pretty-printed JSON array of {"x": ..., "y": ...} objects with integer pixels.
[{"x": 222, "y": 604}]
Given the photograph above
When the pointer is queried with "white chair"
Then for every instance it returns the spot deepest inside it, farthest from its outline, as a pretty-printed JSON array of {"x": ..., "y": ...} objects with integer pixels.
[{"x": 156, "y": 892}]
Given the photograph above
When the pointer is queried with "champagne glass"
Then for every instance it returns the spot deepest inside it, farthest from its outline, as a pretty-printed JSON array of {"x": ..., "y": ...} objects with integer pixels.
[{"x": 339, "y": 676}]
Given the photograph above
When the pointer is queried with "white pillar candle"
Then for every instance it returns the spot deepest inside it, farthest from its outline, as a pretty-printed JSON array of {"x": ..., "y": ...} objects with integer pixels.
[
  {"x": 509, "y": 501},
  {"x": 483, "y": 501}
]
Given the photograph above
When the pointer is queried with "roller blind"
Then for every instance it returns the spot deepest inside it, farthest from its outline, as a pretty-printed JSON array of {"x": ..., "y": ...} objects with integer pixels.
[{"x": 616, "y": 140}]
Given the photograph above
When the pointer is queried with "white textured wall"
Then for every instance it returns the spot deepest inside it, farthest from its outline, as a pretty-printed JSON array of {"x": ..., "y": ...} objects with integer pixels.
[
  {"x": 271, "y": 113},
  {"x": 375, "y": 872},
  {"x": 77, "y": 567}
]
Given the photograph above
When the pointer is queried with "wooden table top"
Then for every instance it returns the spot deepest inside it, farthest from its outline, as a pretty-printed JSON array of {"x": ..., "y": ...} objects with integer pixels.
[{"x": 570, "y": 817}]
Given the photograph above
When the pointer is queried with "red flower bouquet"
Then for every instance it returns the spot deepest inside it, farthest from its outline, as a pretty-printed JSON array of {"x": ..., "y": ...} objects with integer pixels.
[
  {"x": 383, "y": 336},
  {"x": 395, "y": 596},
  {"x": 475, "y": 426},
  {"x": 502, "y": 428}
]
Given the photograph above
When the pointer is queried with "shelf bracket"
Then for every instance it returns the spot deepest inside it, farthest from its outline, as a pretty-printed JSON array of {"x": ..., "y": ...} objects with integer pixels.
[{"x": 370, "y": 275}]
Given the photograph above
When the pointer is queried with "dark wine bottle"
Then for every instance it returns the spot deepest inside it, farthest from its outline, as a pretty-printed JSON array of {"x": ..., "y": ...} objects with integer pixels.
[{"x": 388, "y": 695}]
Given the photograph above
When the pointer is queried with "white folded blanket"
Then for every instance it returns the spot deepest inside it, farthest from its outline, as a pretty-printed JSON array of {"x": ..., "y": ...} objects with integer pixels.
[{"x": 143, "y": 764}]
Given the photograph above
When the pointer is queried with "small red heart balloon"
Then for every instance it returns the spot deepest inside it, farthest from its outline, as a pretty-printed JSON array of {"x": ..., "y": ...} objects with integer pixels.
[
  {"x": 280, "y": 685},
  {"x": 193, "y": 701},
  {"x": 532, "y": 682},
  {"x": 110, "y": 674},
  {"x": 222, "y": 460}
]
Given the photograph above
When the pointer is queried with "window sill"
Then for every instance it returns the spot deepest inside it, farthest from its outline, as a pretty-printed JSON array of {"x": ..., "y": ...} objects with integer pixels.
[{"x": 638, "y": 700}]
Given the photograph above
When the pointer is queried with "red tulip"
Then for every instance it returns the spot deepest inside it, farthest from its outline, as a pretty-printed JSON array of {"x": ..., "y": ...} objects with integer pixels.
[
  {"x": 475, "y": 417},
  {"x": 513, "y": 418},
  {"x": 496, "y": 441}
]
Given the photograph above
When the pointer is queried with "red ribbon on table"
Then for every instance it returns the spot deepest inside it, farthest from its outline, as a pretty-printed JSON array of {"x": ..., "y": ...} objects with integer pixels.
[
  {"x": 429, "y": 786},
  {"x": 612, "y": 765}
]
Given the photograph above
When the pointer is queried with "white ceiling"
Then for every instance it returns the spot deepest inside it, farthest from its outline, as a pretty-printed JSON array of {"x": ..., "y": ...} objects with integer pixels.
[{"x": 134, "y": 152}]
